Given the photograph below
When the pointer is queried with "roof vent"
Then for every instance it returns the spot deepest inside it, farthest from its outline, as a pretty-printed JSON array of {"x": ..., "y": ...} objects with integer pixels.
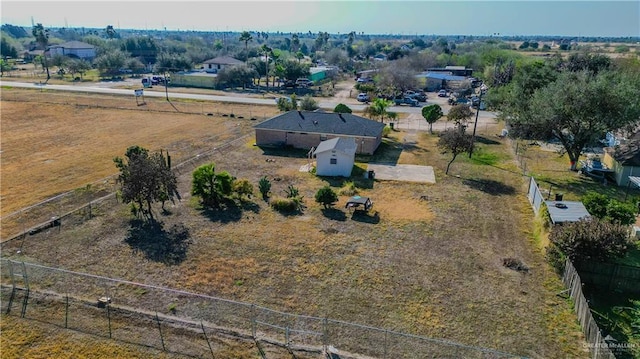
[
  {"x": 342, "y": 118},
  {"x": 315, "y": 122},
  {"x": 301, "y": 116}
]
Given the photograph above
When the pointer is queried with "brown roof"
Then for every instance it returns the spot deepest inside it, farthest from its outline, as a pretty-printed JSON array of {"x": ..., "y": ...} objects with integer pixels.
[{"x": 627, "y": 154}]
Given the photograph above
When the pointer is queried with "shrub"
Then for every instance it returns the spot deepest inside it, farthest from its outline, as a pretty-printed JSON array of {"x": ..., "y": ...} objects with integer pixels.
[
  {"x": 348, "y": 189},
  {"x": 284, "y": 204},
  {"x": 243, "y": 187},
  {"x": 326, "y": 196},
  {"x": 264, "y": 185},
  {"x": 590, "y": 239},
  {"x": 385, "y": 131},
  {"x": 596, "y": 203},
  {"x": 601, "y": 206},
  {"x": 308, "y": 103},
  {"x": 342, "y": 108},
  {"x": 292, "y": 191},
  {"x": 621, "y": 212}
]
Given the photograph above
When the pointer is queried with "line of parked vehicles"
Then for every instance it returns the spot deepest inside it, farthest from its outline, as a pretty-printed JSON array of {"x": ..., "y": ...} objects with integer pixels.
[{"x": 411, "y": 98}]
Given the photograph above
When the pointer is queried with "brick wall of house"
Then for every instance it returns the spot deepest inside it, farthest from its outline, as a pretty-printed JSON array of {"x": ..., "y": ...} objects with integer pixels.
[{"x": 365, "y": 145}]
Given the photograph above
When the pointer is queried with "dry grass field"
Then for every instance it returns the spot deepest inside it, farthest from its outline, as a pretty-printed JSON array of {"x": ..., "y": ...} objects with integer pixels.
[{"x": 428, "y": 267}]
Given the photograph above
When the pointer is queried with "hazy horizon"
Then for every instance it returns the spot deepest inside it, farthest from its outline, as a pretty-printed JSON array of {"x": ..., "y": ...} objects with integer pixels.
[{"x": 437, "y": 17}]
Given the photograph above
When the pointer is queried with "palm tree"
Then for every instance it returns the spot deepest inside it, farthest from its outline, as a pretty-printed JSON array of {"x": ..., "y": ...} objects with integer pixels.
[
  {"x": 110, "y": 32},
  {"x": 246, "y": 37},
  {"x": 42, "y": 39},
  {"x": 266, "y": 50}
]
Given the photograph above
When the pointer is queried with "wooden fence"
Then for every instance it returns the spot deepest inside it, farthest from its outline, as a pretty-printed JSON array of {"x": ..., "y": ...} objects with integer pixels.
[
  {"x": 611, "y": 276},
  {"x": 597, "y": 346}
]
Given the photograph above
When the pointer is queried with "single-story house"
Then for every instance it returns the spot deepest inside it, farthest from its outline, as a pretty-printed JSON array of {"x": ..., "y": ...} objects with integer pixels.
[
  {"x": 452, "y": 70},
  {"x": 75, "y": 49},
  {"x": 434, "y": 81},
  {"x": 335, "y": 157},
  {"x": 305, "y": 130},
  {"x": 624, "y": 160},
  {"x": 216, "y": 64},
  {"x": 380, "y": 57},
  {"x": 30, "y": 55},
  {"x": 196, "y": 79}
]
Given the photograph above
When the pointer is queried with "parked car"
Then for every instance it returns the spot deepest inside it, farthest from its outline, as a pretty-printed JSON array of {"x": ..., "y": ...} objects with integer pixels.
[
  {"x": 304, "y": 82},
  {"x": 405, "y": 100},
  {"x": 363, "y": 97},
  {"x": 442, "y": 93},
  {"x": 364, "y": 80},
  {"x": 290, "y": 84}
]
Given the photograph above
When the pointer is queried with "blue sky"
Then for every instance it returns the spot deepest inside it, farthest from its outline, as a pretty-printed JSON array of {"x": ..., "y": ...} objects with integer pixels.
[{"x": 440, "y": 17}]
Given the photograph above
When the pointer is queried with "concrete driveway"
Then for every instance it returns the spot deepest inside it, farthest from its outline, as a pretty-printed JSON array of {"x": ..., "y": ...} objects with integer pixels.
[{"x": 405, "y": 173}]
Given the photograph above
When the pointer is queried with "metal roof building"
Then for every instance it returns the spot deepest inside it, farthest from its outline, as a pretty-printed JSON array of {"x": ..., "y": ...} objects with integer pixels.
[{"x": 566, "y": 211}]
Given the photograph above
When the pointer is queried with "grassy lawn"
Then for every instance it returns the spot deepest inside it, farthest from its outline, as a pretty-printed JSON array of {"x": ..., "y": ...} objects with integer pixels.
[{"x": 428, "y": 267}]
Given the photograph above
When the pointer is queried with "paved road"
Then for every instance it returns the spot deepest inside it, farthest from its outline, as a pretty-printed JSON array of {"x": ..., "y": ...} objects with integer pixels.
[{"x": 414, "y": 120}]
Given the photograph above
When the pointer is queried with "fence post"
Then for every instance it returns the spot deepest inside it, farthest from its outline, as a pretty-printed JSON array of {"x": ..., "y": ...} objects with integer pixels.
[
  {"x": 286, "y": 336},
  {"x": 384, "y": 355},
  {"x": 325, "y": 334},
  {"x": 66, "y": 312},
  {"x": 109, "y": 318},
  {"x": 160, "y": 330},
  {"x": 253, "y": 321},
  {"x": 207, "y": 339}
]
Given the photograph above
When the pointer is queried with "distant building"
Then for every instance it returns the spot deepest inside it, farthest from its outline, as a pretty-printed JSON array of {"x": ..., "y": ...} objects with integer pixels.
[
  {"x": 452, "y": 70},
  {"x": 434, "y": 81},
  {"x": 216, "y": 64},
  {"x": 74, "y": 49}
]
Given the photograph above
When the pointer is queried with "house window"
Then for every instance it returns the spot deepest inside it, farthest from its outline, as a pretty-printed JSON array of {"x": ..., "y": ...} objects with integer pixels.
[{"x": 333, "y": 161}]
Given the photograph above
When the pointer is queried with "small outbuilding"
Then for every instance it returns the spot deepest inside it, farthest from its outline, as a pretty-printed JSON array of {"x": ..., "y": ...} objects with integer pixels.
[
  {"x": 335, "y": 157},
  {"x": 566, "y": 211}
]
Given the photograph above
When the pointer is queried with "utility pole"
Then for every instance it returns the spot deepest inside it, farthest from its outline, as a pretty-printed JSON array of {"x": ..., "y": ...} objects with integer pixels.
[{"x": 475, "y": 125}]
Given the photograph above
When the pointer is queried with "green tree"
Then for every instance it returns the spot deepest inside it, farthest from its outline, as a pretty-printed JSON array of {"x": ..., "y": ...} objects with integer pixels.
[
  {"x": 78, "y": 66},
  {"x": 431, "y": 114},
  {"x": 42, "y": 39},
  {"x": 266, "y": 51},
  {"x": 110, "y": 63},
  {"x": 246, "y": 37},
  {"x": 145, "y": 179},
  {"x": 378, "y": 108},
  {"x": 455, "y": 141},
  {"x": 4, "y": 66},
  {"x": 342, "y": 108},
  {"x": 7, "y": 49},
  {"x": 326, "y": 196},
  {"x": 211, "y": 187},
  {"x": 240, "y": 75},
  {"x": 579, "y": 108},
  {"x": 110, "y": 32},
  {"x": 460, "y": 115},
  {"x": 589, "y": 239}
]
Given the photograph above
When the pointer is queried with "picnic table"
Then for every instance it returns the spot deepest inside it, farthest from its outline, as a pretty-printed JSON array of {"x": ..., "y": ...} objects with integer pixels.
[{"x": 356, "y": 202}]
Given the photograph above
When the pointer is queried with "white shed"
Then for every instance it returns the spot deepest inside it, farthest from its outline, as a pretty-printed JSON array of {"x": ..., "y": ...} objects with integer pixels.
[{"x": 335, "y": 157}]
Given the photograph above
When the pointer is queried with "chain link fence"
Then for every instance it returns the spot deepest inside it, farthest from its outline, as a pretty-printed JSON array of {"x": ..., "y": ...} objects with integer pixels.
[{"x": 193, "y": 324}]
